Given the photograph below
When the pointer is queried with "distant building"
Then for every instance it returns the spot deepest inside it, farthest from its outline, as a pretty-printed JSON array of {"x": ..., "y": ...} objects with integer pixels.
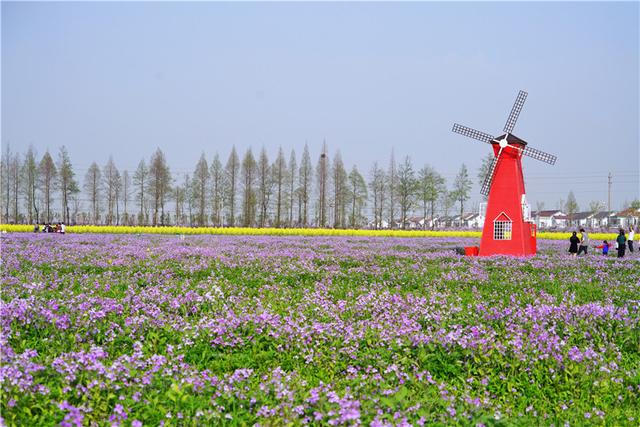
[
  {"x": 581, "y": 219},
  {"x": 383, "y": 225},
  {"x": 414, "y": 223},
  {"x": 626, "y": 218},
  {"x": 550, "y": 219},
  {"x": 602, "y": 219}
]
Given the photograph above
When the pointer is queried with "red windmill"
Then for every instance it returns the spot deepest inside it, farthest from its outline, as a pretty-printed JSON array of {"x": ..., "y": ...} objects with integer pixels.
[{"x": 508, "y": 229}]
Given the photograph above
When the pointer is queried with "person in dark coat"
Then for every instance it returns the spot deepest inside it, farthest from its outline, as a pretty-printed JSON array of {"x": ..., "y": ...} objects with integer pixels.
[
  {"x": 573, "y": 247},
  {"x": 621, "y": 240}
]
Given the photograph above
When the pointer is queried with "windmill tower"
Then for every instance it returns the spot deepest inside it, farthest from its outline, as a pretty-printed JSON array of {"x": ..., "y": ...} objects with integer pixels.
[{"x": 508, "y": 228}]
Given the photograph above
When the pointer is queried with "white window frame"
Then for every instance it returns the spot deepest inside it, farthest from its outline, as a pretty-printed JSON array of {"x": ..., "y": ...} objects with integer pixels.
[{"x": 502, "y": 230}]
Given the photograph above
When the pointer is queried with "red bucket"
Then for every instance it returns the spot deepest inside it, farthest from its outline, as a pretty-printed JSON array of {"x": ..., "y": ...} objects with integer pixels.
[{"x": 471, "y": 250}]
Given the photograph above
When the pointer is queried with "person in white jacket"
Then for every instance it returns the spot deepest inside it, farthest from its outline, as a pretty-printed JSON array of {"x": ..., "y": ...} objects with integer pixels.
[{"x": 631, "y": 236}]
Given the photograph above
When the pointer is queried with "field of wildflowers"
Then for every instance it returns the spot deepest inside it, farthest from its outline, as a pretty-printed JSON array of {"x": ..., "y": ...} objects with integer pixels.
[{"x": 288, "y": 330}]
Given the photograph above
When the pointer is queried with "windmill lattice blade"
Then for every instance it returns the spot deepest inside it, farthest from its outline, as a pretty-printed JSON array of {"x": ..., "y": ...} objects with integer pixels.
[
  {"x": 472, "y": 133},
  {"x": 539, "y": 155},
  {"x": 515, "y": 112},
  {"x": 488, "y": 179}
]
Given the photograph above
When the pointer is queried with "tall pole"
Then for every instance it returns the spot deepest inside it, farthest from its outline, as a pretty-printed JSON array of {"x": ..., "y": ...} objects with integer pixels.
[{"x": 609, "y": 194}]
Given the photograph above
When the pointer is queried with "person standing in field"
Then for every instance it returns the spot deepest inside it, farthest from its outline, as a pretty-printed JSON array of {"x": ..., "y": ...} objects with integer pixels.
[
  {"x": 573, "y": 244},
  {"x": 632, "y": 234},
  {"x": 584, "y": 242},
  {"x": 621, "y": 240}
]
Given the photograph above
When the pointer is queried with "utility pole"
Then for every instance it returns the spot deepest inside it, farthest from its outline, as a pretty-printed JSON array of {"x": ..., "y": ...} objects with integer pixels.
[{"x": 609, "y": 194}]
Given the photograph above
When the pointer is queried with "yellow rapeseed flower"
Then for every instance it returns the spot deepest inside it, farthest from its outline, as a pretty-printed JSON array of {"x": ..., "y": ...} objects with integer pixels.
[{"x": 123, "y": 229}]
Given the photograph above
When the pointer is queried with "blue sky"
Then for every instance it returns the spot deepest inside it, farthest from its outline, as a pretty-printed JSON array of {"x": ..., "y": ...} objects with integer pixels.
[{"x": 121, "y": 79}]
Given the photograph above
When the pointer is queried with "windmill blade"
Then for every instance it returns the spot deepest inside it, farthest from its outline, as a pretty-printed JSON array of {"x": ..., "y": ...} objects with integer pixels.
[
  {"x": 472, "y": 133},
  {"x": 539, "y": 155},
  {"x": 488, "y": 179},
  {"x": 515, "y": 111}
]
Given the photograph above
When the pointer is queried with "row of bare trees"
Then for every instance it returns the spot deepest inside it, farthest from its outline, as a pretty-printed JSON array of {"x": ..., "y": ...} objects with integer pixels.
[{"x": 249, "y": 191}]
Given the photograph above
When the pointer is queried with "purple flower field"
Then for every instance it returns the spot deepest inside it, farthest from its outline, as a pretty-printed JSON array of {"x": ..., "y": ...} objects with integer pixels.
[{"x": 232, "y": 330}]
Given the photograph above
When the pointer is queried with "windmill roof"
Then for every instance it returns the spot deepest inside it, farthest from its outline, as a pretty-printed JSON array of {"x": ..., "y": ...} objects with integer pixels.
[{"x": 511, "y": 139}]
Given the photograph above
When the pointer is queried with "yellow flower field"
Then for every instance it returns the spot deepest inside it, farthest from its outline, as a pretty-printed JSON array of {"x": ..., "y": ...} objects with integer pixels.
[{"x": 121, "y": 229}]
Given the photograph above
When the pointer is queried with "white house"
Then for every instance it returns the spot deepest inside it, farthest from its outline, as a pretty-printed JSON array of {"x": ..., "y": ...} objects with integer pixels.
[
  {"x": 383, "y": 224},
  {"x": 550, "y": 219},
  {"x": 581, "y": 219},
  {"x": 414, "y": 223},
  {"x": 601, "y": 219},
  {"x": 626, "y": 218},
  {"x": 475, "y": 221}
]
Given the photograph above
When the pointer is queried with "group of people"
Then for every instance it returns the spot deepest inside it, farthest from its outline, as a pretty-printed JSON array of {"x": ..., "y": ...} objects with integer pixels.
[
  {"x": 49, "y": 228},
  {"x": 578, "y": 245}
]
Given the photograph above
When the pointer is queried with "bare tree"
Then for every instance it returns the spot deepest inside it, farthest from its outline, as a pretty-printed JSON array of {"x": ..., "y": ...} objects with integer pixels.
[
  {"x": 199, "y": 187},
  {"x": 232, "y": 170},
  {"x": 181, "y": 195},
  {"x": 596, "y": 206},
  {"x": 5, "y": 186},
  {"x": 159, "y": 185},
  {"x": 30, "y": 173},
  {"x": 461, "y": 188},
  {"x": 188, "y": 196},
  {"x": 47, "y": 173},
  {"x": 66, "y": 182},
  {"x": 111, "y": 178},
  {"x": 10, "y": 178},
  {"x": 14, "y": 183},
  {"x": 117, "y": 186},
  {"x": 304, "y": 189},
  {"x": 571, "y": 206},
  {"x": 140, "y": 181},
  {"x": 358, "y": 196},
  {"x": 447, "y": 200},
  {"x": 92, "y": 186},
  {"x": 279, "y": 175},
  {"x": 377, "y": 185},
  {"x": 406, "y": 189},
  {"x": 126, "y": 193},
  {"x": 431, "y": 186},
  {"x": 391, "y": 189},
  {"x": 291, "y": 181},
  {"x": 75, "y": 202},
  {"x": 485, "y": 167},
  {"x": 339, "y": 179},
  {"x": 249, "y": 196},
  {"x": 217, "y": 190},
  {"x": 264, "y": 186}
]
